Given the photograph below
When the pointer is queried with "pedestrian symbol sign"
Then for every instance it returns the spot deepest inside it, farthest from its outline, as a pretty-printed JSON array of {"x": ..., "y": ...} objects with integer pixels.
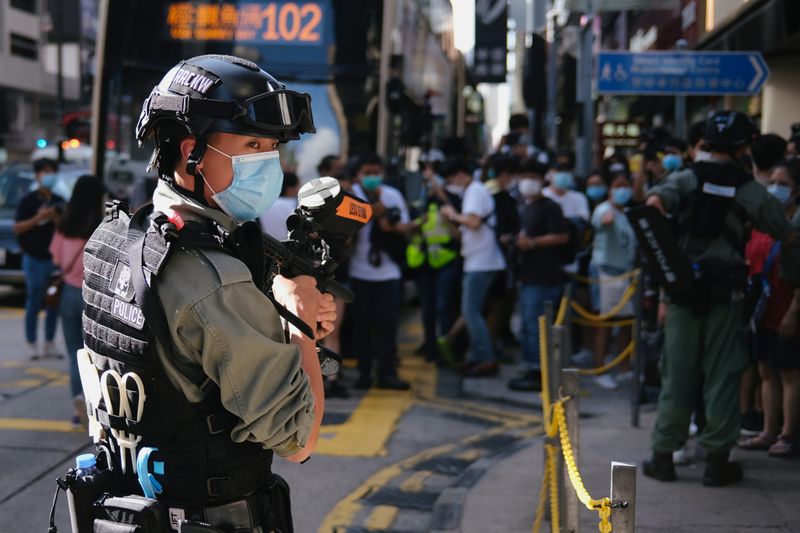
[{"x": 680, "y": 73}]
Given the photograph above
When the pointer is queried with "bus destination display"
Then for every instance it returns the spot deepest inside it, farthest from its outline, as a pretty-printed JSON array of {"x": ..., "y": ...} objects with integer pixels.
[{"x": 287, "y": 23}]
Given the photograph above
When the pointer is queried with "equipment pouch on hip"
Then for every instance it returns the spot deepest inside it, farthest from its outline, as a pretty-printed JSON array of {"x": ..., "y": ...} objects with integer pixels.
[
  {"x": 131, "y": 513},
  {"x": 278, "y": 505}
]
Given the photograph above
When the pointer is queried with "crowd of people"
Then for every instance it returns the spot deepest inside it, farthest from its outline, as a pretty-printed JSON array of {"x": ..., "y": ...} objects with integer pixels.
[
  {"x": 483, "y": 239},
  {"x": 486, "y": 238}
]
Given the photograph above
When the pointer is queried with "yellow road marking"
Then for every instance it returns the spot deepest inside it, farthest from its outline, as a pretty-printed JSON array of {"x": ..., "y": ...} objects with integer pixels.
[
  {"x": 381, "y": 517},
  {"x": 11, "y": 312},
  {"x": 21, "y": 384},
  {"x": 46, "y": 373},
  {"x": 11, "y": 364},
  {"x": 371, "y": 424},
  {"x": 30, "y": 424},
  {"x": 346, "y": 510},
  {"x": 469, "y": 455},
  {"x": 369, "y": 427},
  {"x": 416, "y": 481}
]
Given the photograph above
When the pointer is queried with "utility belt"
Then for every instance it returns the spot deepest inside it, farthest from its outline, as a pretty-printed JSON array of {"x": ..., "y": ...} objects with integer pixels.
[
  {"x": 98, "y": 504},
  {"x": 712, "y": 286}
]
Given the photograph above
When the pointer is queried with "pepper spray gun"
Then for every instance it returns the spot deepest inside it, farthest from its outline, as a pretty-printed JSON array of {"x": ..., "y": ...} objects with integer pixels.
[{"x": 320, "y": 234}]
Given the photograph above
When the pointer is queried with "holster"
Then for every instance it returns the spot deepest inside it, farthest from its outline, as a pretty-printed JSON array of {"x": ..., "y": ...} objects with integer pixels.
[{"x": 712, "y": 286}]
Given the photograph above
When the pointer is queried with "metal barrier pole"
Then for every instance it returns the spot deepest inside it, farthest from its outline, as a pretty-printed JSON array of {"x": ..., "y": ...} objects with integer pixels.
[
  {"x": 623, "y": 497},
  {"x": 554, "y": 378},
  {"x": 570, "y": 503},
  {"x": 568, "y": 328},
  {"x": 638, "y": 355}
]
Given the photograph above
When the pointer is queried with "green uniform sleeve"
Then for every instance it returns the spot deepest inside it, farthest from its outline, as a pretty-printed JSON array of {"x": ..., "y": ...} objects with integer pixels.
[
  {"x": 673, "y": 188},
  {"x": 224, "y": 324},
  {"x": 763, "y": 209}
]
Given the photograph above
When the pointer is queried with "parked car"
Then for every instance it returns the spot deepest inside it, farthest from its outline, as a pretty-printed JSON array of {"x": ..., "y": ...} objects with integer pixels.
[{"x": 15, "y": 182}]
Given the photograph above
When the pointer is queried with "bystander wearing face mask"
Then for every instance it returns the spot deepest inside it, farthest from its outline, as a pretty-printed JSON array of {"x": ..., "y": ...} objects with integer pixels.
[
  {"x": 782, "y": 192},
  {"x": 621, "y": 195},
  {"x": 563, "y": 180},
  {"x": 530, "y": 187},
  {"x": 671, "y": 162}
]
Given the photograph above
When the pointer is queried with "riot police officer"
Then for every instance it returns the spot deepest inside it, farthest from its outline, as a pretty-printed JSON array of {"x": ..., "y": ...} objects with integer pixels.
[
  {"x": 177, "y": 327},
  {"x": 715, "y": 203}
]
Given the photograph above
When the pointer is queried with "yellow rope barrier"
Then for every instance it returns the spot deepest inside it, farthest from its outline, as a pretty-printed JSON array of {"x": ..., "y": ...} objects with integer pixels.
[
  {"x": 562, "y": 312},
  {"x": 555, "y": 424},
  {"x": 602, "y": 506},
  {"x": 605, "y": 323},
  {"x": 626, "y": 297},
  {"x": 596, "y": 281},
  {"x": 626, "y": 353}
]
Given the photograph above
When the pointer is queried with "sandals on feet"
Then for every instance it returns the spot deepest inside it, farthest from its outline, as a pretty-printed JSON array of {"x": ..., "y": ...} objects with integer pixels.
[
  {"x": 762, "y": 441},
  {"x": 783, "y": 447}
]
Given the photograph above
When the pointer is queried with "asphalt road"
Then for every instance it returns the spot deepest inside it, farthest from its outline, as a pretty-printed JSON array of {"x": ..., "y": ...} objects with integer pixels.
[{"x": 382, "y": 463}]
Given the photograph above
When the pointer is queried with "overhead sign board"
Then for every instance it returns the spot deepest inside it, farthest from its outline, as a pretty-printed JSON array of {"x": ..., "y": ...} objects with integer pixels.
[
  {"x": 491, "y": 32},
  {"x": 278, "y": 22},
  {"x": 699, "y": 73}
]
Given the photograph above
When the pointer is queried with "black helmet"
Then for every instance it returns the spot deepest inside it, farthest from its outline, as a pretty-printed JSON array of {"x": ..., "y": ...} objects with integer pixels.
[
  {"x": 728, "y": 130},
  {"x": 212, "y": 93}
]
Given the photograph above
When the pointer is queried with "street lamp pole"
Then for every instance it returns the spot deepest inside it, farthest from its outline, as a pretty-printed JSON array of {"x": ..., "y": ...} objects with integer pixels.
[{"x": 680, "y": 101}]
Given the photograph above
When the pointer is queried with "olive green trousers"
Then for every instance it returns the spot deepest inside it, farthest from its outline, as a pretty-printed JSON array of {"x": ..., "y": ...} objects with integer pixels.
[{"x": 710, "y": 349}]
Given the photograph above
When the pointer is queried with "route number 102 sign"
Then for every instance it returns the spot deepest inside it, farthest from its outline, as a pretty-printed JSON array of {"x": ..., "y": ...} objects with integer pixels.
[{"x": 287, "y": 23}]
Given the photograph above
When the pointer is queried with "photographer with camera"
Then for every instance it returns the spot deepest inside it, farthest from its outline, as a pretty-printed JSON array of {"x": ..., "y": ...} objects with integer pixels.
[
  {"x": 38, "y": 213},
  {"x": 376, "y": 275},
  {"x": 176, "y": 318}
]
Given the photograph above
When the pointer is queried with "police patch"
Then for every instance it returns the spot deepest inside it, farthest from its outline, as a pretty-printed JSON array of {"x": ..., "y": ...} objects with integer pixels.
[
  {"x": 121, "y": 282},
  {"x": 193, "y": 80},
  {"x": 128, "y": 313}
]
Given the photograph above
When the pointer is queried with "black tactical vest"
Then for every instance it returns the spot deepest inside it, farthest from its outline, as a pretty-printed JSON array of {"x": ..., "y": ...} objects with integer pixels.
[{"x": 200, "y": 462}]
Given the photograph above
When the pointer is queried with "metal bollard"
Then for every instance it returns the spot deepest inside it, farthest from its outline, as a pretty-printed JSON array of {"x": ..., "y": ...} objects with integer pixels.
[
  {"x": 554, "y": 375},
  {"x": 623, "y": 497},
  {"x": 638, "y": 361},
  {"x": 570, "y": 504}
]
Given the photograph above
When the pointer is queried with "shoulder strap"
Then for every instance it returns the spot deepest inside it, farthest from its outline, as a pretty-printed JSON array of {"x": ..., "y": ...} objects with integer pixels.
[
  {"x": 770, "y": 260},
  {"x": 155, "y": 318}
]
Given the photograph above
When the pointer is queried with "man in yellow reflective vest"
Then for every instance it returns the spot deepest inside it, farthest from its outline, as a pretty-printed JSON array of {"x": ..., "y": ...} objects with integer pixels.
[{"x": 434, "y": 254}]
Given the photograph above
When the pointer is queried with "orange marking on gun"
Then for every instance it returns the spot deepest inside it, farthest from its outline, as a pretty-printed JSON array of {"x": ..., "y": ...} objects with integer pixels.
[{"x": 354, "y": 210}]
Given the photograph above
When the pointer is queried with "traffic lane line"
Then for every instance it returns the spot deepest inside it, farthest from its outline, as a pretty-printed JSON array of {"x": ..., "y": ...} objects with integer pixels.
[
  {"x": 381, "y": 517},
  {"x": 374, "y": 420},
  {"x": 32, "y": 424},
  {"x": 346, "y": 511}
]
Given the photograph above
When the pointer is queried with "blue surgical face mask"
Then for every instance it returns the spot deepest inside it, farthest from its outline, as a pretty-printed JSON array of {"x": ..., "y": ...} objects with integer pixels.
[
  {"x": 257, "y": 181},
  {"x": 48, "y": 181},
  {"x": 621, "y": 195},
  {"x": 596, "y": 192},
  {"x": 563, "y": 180},
  {"x": 371, "y": 182},
  {"x": 672, "y": 162},
  {"x": 781, "y": 192}
]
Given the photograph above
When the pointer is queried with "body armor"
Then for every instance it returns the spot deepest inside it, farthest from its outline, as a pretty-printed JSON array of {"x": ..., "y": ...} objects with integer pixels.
[{"x": 122, "y": 322}]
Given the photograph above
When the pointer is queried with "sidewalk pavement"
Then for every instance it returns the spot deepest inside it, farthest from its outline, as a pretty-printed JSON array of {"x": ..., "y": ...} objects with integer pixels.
[{"x": 505, "y": 498}]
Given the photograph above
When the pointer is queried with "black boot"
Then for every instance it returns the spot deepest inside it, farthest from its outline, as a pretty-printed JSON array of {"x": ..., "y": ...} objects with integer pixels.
[
  {"x": 660, "y": 467},
  {"x": 721, "y": 471}
]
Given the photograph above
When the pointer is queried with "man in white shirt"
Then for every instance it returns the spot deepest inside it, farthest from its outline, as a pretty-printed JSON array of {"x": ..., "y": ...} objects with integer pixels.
[
  {"x": 375, "y": 277},
  {"x": 483, "y": 260},
  {"x": 273, "y": 221}
]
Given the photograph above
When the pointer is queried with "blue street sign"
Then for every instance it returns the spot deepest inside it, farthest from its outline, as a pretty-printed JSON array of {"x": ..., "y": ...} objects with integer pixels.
[{"x": 680, "y": 73}]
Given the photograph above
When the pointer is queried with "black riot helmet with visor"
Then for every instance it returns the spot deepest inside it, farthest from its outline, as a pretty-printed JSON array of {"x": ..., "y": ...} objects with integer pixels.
[
  {"x": 726, "y": 131},
  {"x": 218, "y": 93}
]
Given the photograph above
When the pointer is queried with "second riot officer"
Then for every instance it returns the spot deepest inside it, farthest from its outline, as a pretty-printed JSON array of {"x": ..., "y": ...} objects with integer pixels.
[{"x": 715, "y": 203}]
